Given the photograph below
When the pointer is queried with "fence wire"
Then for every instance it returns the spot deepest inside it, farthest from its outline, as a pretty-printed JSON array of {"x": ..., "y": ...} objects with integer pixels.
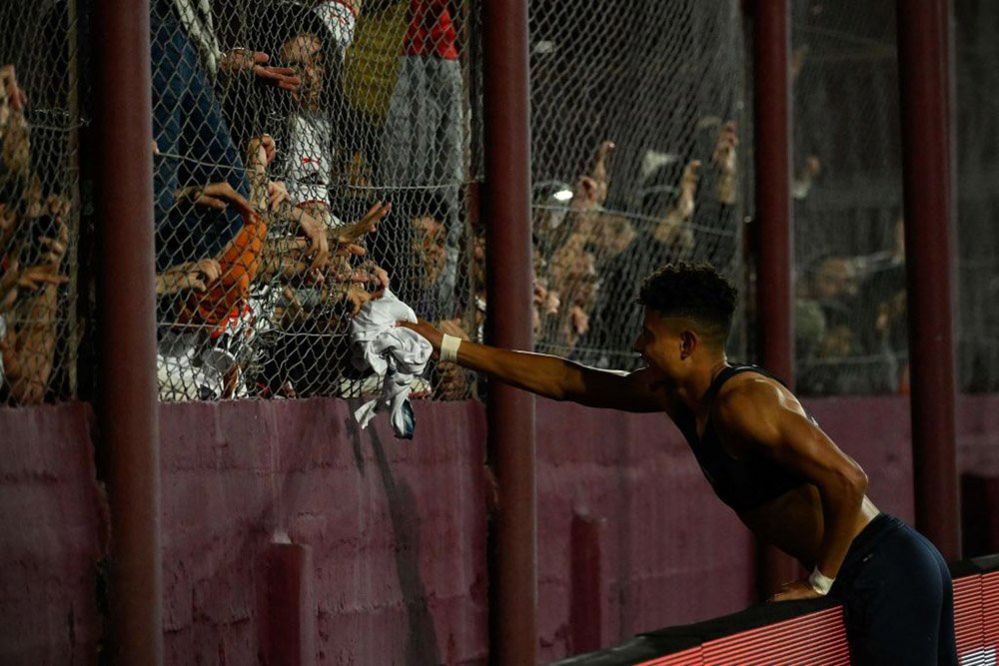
[
  {"x": 851, "y": 335},
  {"x": 976, "y": 50},
  {"x": 310, "y": 154},
  {"x": 309, "y": 157},
  {"x": 637, "y": 116},
  {"x": 39, "y": 202}
]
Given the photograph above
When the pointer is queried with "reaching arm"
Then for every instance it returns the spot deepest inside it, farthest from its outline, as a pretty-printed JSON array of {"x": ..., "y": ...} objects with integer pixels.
[
  {"x": 554, "y": 377},
  {"x": 774, "y": 423}
]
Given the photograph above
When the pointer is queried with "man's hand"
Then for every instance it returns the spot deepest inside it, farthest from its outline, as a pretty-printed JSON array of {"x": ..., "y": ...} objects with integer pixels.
[
  {"x": 32, "y": 278},
  {"x": 245, "y": 60},
  {"x": 355, "y": 231},
  {"x": 799, "y": 589},
  {"x": 277, "y": 194},
  {"x": 432, "y": 334},
  {"x": 261, "y": 151},
  {"x": 11, "y": 95},
  {"x": 217, "y": 196},
  {"x": 46, "y": 272},
  {"x": 724, "y": 156},
  {"x": 197, "y": 276},
  {"x": 599, "y": 170},
  {"x": 319, "y": 244},
  {"x": 8, "y": 286},
  {"x": 14, "y": 131}
]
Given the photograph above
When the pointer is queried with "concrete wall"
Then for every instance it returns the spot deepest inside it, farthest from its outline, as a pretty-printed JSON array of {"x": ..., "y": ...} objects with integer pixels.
[
  {"x": 52, "y": 533},
  {"x": 630, "y": 537}
]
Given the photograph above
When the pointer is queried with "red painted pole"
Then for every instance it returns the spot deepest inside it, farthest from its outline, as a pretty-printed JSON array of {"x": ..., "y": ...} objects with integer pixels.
[
  {"x": 507, "y": 218},
  {"x": 126, "y": 401},
  {"x": 288, "y": 611},
  {"x": 923, "y": 59},
  {"x": 772, "y": 161},
  {"x": 589, "y": 589}
]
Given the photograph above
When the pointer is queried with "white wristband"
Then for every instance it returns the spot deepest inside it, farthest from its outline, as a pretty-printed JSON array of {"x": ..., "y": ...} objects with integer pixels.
[
  {"x": 449, "y": 348},
  {"x": 820, "y": 582}
]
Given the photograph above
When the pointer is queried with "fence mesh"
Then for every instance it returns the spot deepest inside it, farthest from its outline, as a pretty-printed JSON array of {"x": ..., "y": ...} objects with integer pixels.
[
  {"x": 976, "y": 49},
  {"x": 848, "y": 244},
  {"x": 637, "y": 116},
  {"x": 851, "y": 311},
  {"x": 309, "y": 156},
  {"x": 39, "y": 201}
]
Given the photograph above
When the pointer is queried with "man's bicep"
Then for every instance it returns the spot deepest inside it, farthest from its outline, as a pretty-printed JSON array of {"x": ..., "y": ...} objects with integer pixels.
[{"x": 615, "y": 389}]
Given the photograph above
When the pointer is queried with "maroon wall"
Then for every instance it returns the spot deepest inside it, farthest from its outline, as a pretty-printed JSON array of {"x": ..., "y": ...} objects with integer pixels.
[
  {"x": 397, "y": 529},
  {"x": 52, "y": 530}
]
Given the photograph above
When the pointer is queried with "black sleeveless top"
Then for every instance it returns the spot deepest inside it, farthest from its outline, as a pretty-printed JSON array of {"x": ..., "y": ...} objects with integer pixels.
[{"x": 743, "y": 483}]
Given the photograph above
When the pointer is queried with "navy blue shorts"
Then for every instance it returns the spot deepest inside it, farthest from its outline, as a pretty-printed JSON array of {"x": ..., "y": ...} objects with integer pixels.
[{"x": 898, "y": 600}]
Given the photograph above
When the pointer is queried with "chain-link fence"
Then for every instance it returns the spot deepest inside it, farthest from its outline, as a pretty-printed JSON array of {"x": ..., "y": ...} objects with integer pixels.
[
  {"x": 39, "y": 201},
  {"x": 311, "y": 154},
  {"x": 309, "y": 157},
  {"x": 850, "y": 317},
  {"x": 850, "y": 326},
  {"x": 976, "y": 49},
  {"x": 637, "y": 116}
]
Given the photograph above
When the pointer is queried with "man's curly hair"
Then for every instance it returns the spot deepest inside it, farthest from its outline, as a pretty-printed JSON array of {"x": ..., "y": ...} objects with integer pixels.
[{"x": 694, "y": 291}]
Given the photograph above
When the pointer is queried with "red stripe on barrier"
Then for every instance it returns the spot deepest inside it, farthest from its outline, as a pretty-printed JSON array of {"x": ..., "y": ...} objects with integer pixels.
[
  {"x": 817, "y": 638},
  {"x": 990, "y": 610},
  {"x": 968, "y": 615},
  {"x": 691, "y": 657}
]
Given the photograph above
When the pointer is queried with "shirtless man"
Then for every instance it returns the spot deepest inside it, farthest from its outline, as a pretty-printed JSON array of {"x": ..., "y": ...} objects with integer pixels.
[{"x": 765, "y": 457}]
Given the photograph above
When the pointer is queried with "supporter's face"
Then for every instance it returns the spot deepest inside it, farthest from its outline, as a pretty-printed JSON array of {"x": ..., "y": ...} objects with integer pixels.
[
  {"x": 304, "y": 54},
  {"x": 429, "y": 246},
  {"x": 833, "y": 279},
  {"x": 838, "y": 342}
]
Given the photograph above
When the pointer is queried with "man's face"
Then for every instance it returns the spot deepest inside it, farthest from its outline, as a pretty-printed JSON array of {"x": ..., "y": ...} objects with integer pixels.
[
  {"x": 429, "y": 246},
  {"x": 833, "y": 280},
  {"x": 660, "y": 344},
  {"x": 304, "y": 54}
]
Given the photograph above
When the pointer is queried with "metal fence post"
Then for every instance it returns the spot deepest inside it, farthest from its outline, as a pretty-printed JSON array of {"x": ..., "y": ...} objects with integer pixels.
[
  {"x": 507, "y": 217},
  {"x": 923, "y": 57},
  {"x": 772, "y": 166},
  {"x": 126, "y": 400}
]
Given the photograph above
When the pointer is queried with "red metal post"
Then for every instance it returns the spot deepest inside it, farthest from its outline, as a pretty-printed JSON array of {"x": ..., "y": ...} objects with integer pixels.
[
  {"x": 589, "y": 588},
  {"x": 507, "y": 217},
  {"x": 126, "y": 404},
  {"x": 772, "y": 156},
  {"x": 288, "y": 608},
  {"x": 923, "y": 59}
]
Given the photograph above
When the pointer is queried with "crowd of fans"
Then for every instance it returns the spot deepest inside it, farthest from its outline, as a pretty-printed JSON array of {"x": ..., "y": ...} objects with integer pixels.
[
  {"x": 850, "y": 323},
  {"x": 263, "y": 158},
  {"x": 289, "y": 185},
  {"x": 589, "y": 259},
  {"x": 33, "y": 242}
]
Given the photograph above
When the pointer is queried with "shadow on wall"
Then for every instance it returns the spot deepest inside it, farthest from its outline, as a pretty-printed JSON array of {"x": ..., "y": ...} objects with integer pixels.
[{"x": 421, "y": 644}]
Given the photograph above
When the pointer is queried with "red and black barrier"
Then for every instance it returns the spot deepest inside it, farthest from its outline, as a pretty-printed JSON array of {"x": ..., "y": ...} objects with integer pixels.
[{"x": 805, "y": 632}]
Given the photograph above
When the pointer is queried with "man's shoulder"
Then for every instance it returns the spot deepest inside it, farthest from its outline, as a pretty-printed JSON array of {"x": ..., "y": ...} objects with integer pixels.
[{"x": 749, "y": 396}]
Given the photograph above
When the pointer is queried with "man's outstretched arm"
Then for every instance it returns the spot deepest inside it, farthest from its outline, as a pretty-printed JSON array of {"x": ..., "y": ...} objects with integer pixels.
[{"x": 554, "y": 377}]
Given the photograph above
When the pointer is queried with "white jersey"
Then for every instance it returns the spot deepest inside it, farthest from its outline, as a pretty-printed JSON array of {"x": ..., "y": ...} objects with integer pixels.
[{"x": 309, "y": 159}]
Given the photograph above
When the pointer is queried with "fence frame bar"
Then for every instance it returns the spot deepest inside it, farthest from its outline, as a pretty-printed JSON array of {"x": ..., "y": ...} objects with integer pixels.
[
  {"x": 928, "y": 183},
  {"x": 126, "y": 399},
  {"x": 507, "y": 218},
  {"x": 773, "y": 224}
]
